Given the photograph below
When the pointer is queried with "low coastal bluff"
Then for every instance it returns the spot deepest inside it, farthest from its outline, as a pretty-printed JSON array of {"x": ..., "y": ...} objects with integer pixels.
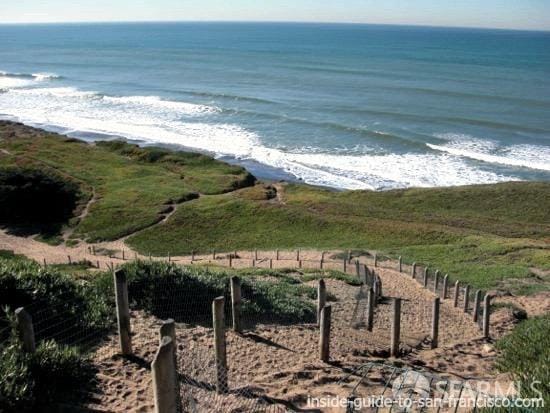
[{"x": 172, "y": 280}]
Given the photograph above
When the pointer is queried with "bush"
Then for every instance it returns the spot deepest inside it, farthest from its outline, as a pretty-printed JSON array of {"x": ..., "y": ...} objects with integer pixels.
[
  {"x": 186, "y": 294},
  {"x": 35, "y": 196},
  {"x": 36, "y": 382},
  {"x": 53, "y": 297}
]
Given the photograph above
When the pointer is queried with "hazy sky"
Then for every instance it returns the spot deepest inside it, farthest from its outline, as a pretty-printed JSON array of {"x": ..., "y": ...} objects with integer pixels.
[{"x": 519, "y": 14}]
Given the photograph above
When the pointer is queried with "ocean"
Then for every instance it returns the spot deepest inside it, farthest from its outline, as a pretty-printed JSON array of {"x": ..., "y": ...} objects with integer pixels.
[{"x": 343, "y": 106}]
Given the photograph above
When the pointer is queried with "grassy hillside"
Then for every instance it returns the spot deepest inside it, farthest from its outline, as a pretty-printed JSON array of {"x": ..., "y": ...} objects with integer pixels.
[
  {"x": 481, "y": 234},
  {"x": 488, "y": 235},
  {"x": 132, "y": 186}
]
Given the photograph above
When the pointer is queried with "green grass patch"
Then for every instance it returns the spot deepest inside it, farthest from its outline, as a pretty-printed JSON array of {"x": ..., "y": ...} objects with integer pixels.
[
  {"x": 473, "y": 249},
  {"x": 331, "y": 274},
  {"x": 486, "y": 235},
  {"x": 525, "y": 354},
  {"x": 132, "y": 185}
]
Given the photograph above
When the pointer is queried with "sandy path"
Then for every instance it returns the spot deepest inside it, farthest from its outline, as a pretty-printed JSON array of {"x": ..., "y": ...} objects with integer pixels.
[{"x": 281, "y": 362}]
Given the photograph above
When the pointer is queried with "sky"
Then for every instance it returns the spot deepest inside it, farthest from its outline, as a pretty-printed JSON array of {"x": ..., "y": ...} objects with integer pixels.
[{"x": 509, "y": 14}]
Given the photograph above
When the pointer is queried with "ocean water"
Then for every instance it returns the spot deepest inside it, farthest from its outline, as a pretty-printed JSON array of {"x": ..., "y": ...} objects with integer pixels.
[{"x": 344, "y": 106}]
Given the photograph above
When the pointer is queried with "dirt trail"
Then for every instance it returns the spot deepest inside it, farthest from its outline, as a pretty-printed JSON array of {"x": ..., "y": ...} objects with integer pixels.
[{"x": 281, "y": 361}]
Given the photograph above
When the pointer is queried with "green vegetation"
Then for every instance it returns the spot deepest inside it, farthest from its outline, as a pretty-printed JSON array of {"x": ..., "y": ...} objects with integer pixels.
[
  {"x": 74, "y": 310},
  {"x": 526, "y": 354},
  {"x": 158, "y": 288},
  {"x": 466, "y": 232},
  {"x": 35, "y": 382},
  {"x": 133, "y": 186},
  {"x": 487, "y": 235},
  {"x": 31, "y": 197},
  {"x": 57, "y": 295}
]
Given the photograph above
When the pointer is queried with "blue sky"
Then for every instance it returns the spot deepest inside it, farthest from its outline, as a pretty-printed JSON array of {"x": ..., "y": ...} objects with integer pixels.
[{"x": 517, "y": 14}]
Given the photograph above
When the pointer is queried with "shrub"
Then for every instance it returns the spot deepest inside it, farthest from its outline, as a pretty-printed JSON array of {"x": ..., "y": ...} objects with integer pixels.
[
  {"x": 36, "y": 382},
  {"x": 186, "y": 293},
  {"x": 36, "y": 196},
  {"x": 53, "y": 297}
]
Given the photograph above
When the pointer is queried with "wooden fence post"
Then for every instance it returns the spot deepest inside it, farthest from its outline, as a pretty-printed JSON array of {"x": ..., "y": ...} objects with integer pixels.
[
  {"x": 370, "y": 309},
  {"x": 366, "y": 272},
  {"x": 324, "y": 334},
  {"x": 486, "y": 316},
  {"x": 230, "y": 261},
  {"x": 375, "y": 288},
  {"x": 426, "y": 277},
  {"x": 123, "y": 312},
  {"x": 322, "y": 255},
  {"x": 123, "y": 256},
  {"x": 236, "y": 303},
  {"x": 219, "y": 344},
  {"x": 396, "y": 327},
  {"x": 299, "y": 263},
  {"x": 45, "y": 265},
  {"x": 357, "y": 272},
  {"x": 321, "y": 264},
  {"x": 69, "y": 259},
  {"x": 271, "y": 263},
  {"x": 277, "y": 255},
  {"x": 436, "y": 281},
  {"x": 213, "y": 254},
  {"x": 375, "y": 260},
  {"x": 400, "y": 264},
  {"x": 298, "y": 254},
  {"x": 321, "y": 299},
  {"x": 445, "y": 286},
  {"x": 477, "y": 302},
  {"x": 435, "y": 323},
  {"x": 165, "y": 378},
  {"x": 25, "y": 330},
  {"x": 466, "y": 298},
  {"x": 256, "y": 254},
  {"x": 413, "y": 271},
  {"x": 457, "y": 291},
  {"x": 349, "y": 256},
  {"x": 168, "y": 329},
  {"x": 345, "y": 265}
]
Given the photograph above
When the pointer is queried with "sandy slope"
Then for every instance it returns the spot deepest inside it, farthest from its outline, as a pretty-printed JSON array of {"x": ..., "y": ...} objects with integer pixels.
[{"x": 281, "y": 362}]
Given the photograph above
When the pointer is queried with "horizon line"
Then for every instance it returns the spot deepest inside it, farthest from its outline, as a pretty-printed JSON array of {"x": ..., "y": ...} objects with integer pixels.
[{"x": 77, "y": 22}]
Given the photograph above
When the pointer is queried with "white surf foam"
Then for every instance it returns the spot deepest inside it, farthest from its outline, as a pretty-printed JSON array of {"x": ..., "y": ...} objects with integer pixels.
[
  {"x": 45, "y": 76},
  {"x": 386, "y": 171},
  {"x": 19, "y": 80},
  {"x": 152, "y": 119},
  {"x": 525, "y": 156},
  {"x": 7, "y": 82},
  {"x": 157, "y": 102}
]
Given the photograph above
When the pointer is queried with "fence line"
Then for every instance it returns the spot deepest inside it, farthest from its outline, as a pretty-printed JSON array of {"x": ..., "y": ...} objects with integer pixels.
[{"x": 62, "y": 324}]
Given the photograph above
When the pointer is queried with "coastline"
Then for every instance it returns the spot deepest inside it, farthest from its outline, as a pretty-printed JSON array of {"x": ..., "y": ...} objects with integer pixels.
[{"x": 259, "y": 170}]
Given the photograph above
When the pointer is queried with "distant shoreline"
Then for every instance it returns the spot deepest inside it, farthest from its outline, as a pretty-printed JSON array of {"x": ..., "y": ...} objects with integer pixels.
[{"x": 260, "y": 171}]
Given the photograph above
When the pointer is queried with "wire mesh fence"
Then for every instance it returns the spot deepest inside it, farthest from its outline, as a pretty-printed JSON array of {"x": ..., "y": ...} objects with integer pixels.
[{"x": 277, "y": 314}]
